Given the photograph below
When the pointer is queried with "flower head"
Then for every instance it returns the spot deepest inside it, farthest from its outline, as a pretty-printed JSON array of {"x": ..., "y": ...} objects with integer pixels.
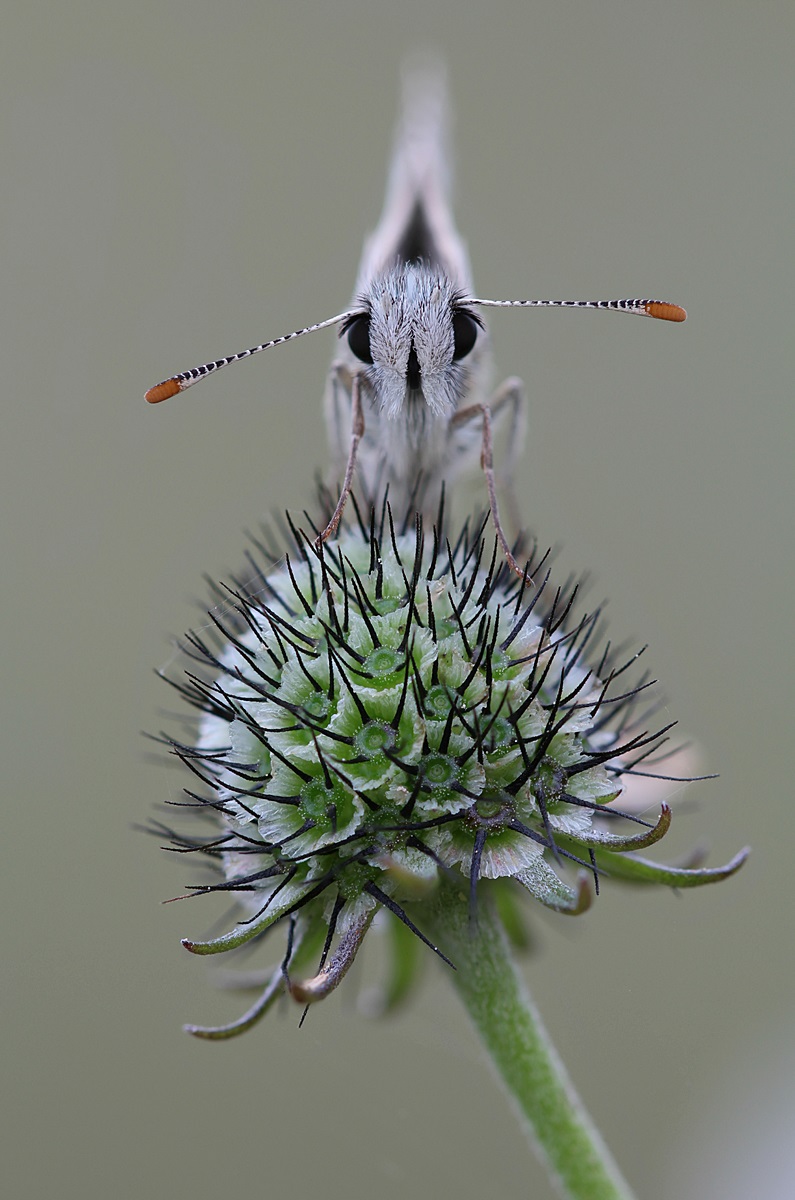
[{"x": 387, "y": 709}]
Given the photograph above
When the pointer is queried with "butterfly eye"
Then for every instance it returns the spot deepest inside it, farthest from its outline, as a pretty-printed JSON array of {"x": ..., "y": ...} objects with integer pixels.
[
  {"x": 465, "y": 332},
  {"x": 359, "y": 338}
]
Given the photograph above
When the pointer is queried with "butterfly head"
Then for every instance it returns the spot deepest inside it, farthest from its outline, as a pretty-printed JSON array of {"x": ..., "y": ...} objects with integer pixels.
[{"x": 415, "y": 335}]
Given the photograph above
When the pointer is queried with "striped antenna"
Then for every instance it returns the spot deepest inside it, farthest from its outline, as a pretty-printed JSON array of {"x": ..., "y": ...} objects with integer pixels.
[
  {"x": 179, "y": 383},
  {"x": 642, "y": 308}
]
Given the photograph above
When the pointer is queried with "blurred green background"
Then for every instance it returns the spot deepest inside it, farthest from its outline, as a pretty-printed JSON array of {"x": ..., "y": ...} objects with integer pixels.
[{"x": 184, "y": 179}]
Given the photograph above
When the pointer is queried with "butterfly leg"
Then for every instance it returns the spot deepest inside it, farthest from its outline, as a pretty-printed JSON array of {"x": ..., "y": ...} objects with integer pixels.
[
  {"x": 509, "y": 395},
  {"x": 357, "y": 433},
  {"x": 337, "y": 406}
]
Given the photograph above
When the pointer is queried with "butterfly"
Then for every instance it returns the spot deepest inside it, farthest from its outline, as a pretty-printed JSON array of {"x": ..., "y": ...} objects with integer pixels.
[{"x": 407, "y": 397}]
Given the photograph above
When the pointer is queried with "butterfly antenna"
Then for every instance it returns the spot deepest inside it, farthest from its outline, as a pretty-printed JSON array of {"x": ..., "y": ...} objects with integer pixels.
[
  {"x": 179, "y": 383},
  {"x": 661, "y": 309}
]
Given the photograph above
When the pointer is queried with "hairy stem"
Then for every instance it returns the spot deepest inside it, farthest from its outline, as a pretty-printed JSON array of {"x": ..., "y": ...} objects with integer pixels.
[{"x": 525, "y": 1060}]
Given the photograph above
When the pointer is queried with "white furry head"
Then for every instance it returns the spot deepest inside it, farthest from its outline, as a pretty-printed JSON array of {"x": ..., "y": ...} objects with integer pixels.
[{"x": 415, "y": 333}]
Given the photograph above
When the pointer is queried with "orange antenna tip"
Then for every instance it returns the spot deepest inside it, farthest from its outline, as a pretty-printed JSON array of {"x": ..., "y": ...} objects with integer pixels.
[
  {"x": 163, "y": 391},
  {"x": 665, "y": 312}
]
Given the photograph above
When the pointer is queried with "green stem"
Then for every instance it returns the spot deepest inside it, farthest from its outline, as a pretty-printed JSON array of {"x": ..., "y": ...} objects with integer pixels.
[{"x": 506, "y": 1019}]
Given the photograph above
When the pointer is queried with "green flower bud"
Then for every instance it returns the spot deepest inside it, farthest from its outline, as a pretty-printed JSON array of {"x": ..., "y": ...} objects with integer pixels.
[{"x": 381, "y": 711}]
